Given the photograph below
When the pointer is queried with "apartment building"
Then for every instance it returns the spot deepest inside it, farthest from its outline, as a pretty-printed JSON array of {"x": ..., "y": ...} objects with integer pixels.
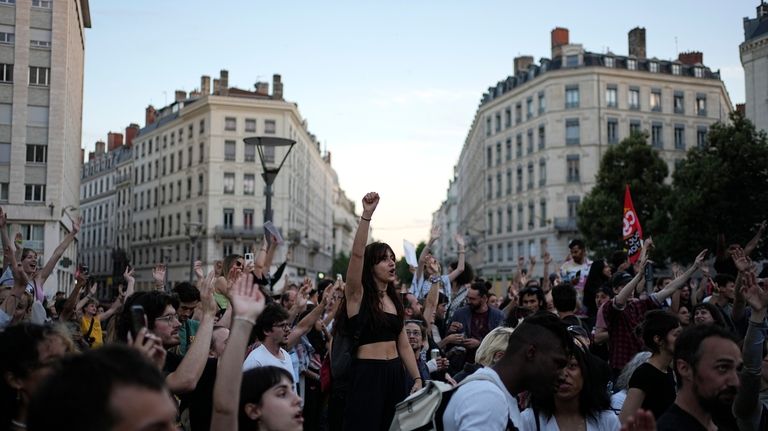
[{"x": 754, "y": 59}]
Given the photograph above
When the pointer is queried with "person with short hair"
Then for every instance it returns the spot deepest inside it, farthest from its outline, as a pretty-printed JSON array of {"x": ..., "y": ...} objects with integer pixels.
[
  {"x": 532, "y": 298},
  {"x": 575, "y": 270},
  {"x": 707, "y": 363},
  {"x": 476, "y": 319},
  {"x": 272, "y": 329},
  {"x": 112, "y": 388},
  {"x": 189, "y": 300},
  {"x": 538, "y": 349}
]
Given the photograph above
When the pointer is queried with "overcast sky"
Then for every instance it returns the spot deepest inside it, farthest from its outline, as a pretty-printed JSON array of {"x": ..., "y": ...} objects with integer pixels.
[{"x": 389, "y": 87}]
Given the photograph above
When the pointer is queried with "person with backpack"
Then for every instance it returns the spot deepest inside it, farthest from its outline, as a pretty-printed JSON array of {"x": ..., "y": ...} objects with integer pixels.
[
  {"x": 537, "y": 350},
  {"x": 372, "y": 315}
]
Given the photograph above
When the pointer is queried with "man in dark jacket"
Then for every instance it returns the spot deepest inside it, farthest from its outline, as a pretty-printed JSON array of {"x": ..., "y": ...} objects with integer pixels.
[{"x": 475, "y": 320}]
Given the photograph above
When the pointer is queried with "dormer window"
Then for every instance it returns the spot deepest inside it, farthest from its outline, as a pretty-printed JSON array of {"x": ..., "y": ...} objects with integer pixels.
[
  {"x": 609, "y": 62},
  {"x": 572, "y": 60},
  {"x": 631, "y": 64},
  {"x": 698, "y": 72},
  {"x": 653, "y": 67},
  {"x": 676, "y": 69}
]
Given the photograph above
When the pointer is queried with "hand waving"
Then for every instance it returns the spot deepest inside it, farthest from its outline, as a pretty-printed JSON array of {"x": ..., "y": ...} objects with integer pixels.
[
  {"x": 246, "y": 298},
  {"x": 199, "y": 270},
  {"x": 755, "y": 295},
  {"x": 741, "y": 260},
  {"x": 158, "y": 274},
  {"x": 206, "y": 294}
]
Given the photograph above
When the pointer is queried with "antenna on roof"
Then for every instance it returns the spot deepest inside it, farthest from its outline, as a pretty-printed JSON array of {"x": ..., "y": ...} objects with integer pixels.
[{"x": 677, "y": 51}]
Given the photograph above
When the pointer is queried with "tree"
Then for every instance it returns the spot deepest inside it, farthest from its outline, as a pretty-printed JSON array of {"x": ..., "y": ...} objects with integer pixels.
[
  {"x": 720, "y": 188},
  {"x": 631, "y": 162},
  {"x": 340, "y": 264},
  {"x": 402, "y": 270}
]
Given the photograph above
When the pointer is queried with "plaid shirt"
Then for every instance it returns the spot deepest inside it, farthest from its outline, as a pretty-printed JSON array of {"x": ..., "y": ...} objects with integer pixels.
[{"x": 623, "y": 341}]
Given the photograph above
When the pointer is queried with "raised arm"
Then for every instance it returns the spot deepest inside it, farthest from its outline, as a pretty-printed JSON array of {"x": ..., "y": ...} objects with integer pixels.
[
  {"x": 305, "y": 324},
  {"x": 69, "y": 305},
  {"x": 130, "y": 281},
  {"x": 752, "y": 244},
  {"x": 679, "y": 281},
  {"x": 51, "y": 264},
  {"x": 261, "y": 257},
  {"x": 247, "y": 302},
  {"x": 460, "y": 265},
  {"x": 353, "y": 291},
  {"x": 546, "y": 260},
  {"x": 430, "y": 305},
  {"x": 433, "y": 236}
]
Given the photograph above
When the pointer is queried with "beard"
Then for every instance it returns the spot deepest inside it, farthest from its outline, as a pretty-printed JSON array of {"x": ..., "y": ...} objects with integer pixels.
[{"x": 719, "y": 403}]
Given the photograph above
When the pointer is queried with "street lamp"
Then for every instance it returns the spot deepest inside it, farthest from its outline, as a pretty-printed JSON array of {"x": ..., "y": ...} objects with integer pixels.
[
  {"x": 270, "y": 149},
  {"x": 193, "y": 231}
]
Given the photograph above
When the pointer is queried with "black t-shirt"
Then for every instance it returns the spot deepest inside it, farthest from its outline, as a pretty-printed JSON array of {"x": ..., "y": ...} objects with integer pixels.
[
  {"x": 677, "y": 419},
  {"x": 659, "y": 388},
  {"x": 200, "y": 400}
]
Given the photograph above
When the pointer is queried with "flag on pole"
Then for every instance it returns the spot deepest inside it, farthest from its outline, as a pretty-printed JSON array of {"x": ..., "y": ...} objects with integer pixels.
[{"x": 632, "y": 231}]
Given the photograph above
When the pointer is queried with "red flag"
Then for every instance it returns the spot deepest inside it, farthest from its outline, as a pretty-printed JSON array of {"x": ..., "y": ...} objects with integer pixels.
[{"x": 632, "y": 231}]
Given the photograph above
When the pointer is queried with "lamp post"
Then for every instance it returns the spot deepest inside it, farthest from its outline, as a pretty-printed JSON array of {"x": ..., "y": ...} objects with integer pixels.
[
  {"x": 193, "y": 231},
  {"x": 270, "y": 149}
]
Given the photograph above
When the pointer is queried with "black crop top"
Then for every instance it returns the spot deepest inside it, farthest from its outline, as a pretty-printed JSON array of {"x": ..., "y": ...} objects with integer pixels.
[{"x": 370, "y": 334}]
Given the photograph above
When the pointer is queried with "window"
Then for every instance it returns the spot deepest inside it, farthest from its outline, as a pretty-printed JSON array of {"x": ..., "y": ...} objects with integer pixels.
[
  {"x": 498, "y": 122},
  {"x": 170, "y": 193},
  {"x": 39, "y": 38},
  {"x": 489, "y": 191},
  {"x": 189, "y": 188},
  {"x": 701, "y": 105},
  {"x": 510, "y": 251},
  {"x": 6, "y": 73},
  {"x": 613, "y": 131},
  {"x": 499, "y": 225},
  {"x": 4, "y": 192},
  {"x": 573, "y": 168},
  {"x": 634, "y": 126},
  {"x": 519, "y": 216},
  {"x": 5, "y": 152},
  {"x": 573, "y": 207},
  {"x": 202, "y": 153},
  {"x": 499, "y": 252},
  {"x": 531, "y": 215},
  {"x": 250, "y": 125},
  {"x": 634, "y": 98},
  {"x": 519, "y": 178},
  {"x": 571, "y": 60},
  {"x": 230, "y": 124},
  {"x": 173, "y": 157},
  {"x": 229, "y": 183},
  {"x": 509, "y": 149},
  {"x": 189, "y": 156},
  {"x": 37, "y": 115},
  {"x": 632, "y": 64},
  {"x": 248, "y": 218},
  {"x": 5, "y": 113},
  {"x": 202, "y": 127},
  {"x": 45, "y": 4},
  {"x": 698, "y": 72},
  {"x": 542, "y": 103},
  {"x": 676, "y": 69},
  {"x": 230, "y": 150},
  {"x": 508, "y": 117},
  {"x": 655, "y": 100},
  {"x": 7, "y": 37},
  {"x": 249, "y": 184},
  {"x": 229, "y": 218},
  {"x": 610, "y": 62},
  {"x": 530, "y": 175},
  {"x": 34, "y": 192},
  {"x": 490, "y": 221},
  {"x": 498, "y": 153},
  {"x": 509, "y": 181},
  {"x": 490, "y": 253},
  {"x": 679, "y": 102},
  {"x": 509, "y": 223},
  {"x": 701, "y": 136},
  {"x": 37, "y": 153},
  {"x": 679, "y": 137},
  {"x": 270, "y": 127},
  {"x": 530, "y": 141},
  {"x": 488, "y": 157},
  {"x": 200, "y": 185},
  {"x": 518, "y": 113},
  {"x": 8, "y": 1},
  {"x": 611, "y": 97},
  {"x": 653, "y": 67},
  {"x": 656, "y": 135},
  {"x": 542, "y": 172},
  {"x": 487, "y": 126},
  {"x": 498, "y": 185},
  {"x": 529, "y": 107},
  {"x": 543, "y": 213},
  {"x": 519, "y": 145},
  {"x": 542, "y": 137},
  {"x": 571, "y": 97},
  {"x": 572, "y": 131}
]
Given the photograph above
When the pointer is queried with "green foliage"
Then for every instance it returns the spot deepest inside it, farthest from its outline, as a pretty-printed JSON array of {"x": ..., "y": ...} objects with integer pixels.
[
  {"x": 340, "y": 264},
  {"x": 719, "y": 189},
  {"x": 631, "y": 162}
]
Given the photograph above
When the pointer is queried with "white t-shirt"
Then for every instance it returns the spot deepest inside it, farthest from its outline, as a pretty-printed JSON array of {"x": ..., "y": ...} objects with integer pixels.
[
  {"x": 476, "y": 406},
  {"x": 605, "y": 421},
  {"x": 261, "y": 357}
]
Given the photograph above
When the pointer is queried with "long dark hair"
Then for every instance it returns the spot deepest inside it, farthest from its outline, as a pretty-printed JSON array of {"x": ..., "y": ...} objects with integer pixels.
[
  {"x": 595, "y": 279},
  {"x": 374, "y": 253},
  {"x": 593, "y": 397}
]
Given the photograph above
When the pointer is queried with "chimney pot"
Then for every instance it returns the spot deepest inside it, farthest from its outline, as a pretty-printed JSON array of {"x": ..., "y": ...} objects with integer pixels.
[
  {"x": 150, "y": 115},
  {"x": 636, "y": 39},
  {"x": 205, "y": 85},
  {"x": 180, "y": 95},
  {"x": 559, "y": 37},
  {"x": 99, "y": 148},
  {"x": 522, "y": 63},
  {"x": 224, "y": 82},
  {"x": 216, "y": 87},
  {"x": 262, "y": 88},
  {"x": 130, "y": 134},
  {"x": 114, "y": 140},
  {"x": 691, "y": 57},
  {"x": 277, "y": 87}
]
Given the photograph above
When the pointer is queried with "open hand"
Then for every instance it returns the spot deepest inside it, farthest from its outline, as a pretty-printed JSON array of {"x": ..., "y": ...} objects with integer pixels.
[
  {"x": 158, "y": 274},
  {"x": 755, "y": 295},
  {"x": 199, "y": 270},
  {"x": 246, "y": 297},
  {"x": 547, "y": 259},
  {"x": 206, "y": 294},
  {"x": 741, "y": 261}
]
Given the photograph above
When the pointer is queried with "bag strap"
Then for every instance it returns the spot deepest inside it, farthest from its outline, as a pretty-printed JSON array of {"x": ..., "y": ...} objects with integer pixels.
[{"x": 90, "y": 329}]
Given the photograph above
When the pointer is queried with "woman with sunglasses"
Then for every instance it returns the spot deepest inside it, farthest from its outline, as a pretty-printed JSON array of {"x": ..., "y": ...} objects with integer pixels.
[
  {"x": 579, "y": 402},
  {"x": 372, "y": 309},
  {"x": 652, "y": 385}
]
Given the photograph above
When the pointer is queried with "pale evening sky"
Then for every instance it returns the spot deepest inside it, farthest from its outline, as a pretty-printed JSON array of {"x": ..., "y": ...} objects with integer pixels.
[{"x": 390, "y": 87}]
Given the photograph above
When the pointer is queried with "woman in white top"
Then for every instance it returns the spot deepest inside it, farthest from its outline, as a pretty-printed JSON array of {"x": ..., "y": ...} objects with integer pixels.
[{"x": 580, "y": 401}]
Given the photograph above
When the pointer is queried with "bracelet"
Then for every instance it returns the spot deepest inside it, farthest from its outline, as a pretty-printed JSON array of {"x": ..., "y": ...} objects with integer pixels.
[
  {"x": 245, "y": 319},
  {"x": 366, "y": 219},
  {"x": 418, "y": 378}
]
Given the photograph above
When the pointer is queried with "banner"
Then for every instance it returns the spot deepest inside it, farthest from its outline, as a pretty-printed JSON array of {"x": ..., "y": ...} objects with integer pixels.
[{"x": 632, "y": 231}]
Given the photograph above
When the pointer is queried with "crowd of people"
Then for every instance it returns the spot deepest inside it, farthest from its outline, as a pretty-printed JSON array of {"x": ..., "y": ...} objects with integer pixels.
[{"x": 603, "y": 344}]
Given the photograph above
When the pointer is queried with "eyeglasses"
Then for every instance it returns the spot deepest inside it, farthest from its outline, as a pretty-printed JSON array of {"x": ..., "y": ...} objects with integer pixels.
[
  {"x": 415, "y": 333},
  {"x": 284, "y": 325},
  {"x": 168, "y": 318},
  {"x": 238, "y": 263}
]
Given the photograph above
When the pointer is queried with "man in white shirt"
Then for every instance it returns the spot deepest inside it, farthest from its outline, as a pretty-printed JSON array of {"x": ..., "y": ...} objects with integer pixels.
[
  {"x": 272, "y": 328},
  {"x": 536, "y": 352}
]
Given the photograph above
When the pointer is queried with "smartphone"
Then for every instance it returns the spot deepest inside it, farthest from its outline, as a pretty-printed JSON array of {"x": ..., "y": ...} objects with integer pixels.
[
  {"x": 339, "y": 277},
  {"x": 138, "y": 319},
  {"x": 248, "y": 258}
]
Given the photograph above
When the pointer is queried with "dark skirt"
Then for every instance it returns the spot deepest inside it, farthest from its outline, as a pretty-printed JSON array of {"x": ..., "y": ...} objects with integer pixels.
[{"x": 377, "y": 386}]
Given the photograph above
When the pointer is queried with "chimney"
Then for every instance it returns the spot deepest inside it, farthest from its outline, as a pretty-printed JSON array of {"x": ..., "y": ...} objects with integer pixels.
[
  {"x": 194, "y": 94},
  {"x": 637, "y": 42},
  {"x": 99, "y": 148},
  {"x": 205, "y": 85},
  {"x": 762, "y": 10},
  {"x": 150, "y": 115},
  {"x": 82, "y": 155},
  {"x": 262, "y": 88},
  {"x": 216, "y": 87},
  {"x": 224, "y": 82},
  {"x": 277, "y": 87},
  {"x": 559, "y": 38},
  {"x": 130, "y": 133},
  {"x": 180, "y": 95},
  {"x": 691, "y": 57},
  {"x": 91, "y": 156},
  {"x": 114, "y": 140},
  {"x": 522, "y": 63},
  {"x": 741, "y": 108}
]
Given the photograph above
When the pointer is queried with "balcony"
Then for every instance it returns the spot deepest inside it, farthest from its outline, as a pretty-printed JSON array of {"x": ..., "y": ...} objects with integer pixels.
[
  {"x": 565, "y": 225},
  {"x": 237, "y": 232}
]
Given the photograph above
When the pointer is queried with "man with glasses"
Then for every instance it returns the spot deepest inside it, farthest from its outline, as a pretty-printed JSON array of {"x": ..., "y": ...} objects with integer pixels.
[
  {"x": 189, "y": 299},
  {"x": 272, "y": 329}
]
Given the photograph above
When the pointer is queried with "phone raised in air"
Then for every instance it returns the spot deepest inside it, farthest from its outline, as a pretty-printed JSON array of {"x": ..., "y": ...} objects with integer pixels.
[
  {"x": 138, "y": 319},
  {"x": 248, "y": 258}
]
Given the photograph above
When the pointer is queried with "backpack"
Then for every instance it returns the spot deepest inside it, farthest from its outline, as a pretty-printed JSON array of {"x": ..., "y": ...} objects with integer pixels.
[
  {"x": 423, "y": 410},
  {"x": 343, "y": 350}
]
